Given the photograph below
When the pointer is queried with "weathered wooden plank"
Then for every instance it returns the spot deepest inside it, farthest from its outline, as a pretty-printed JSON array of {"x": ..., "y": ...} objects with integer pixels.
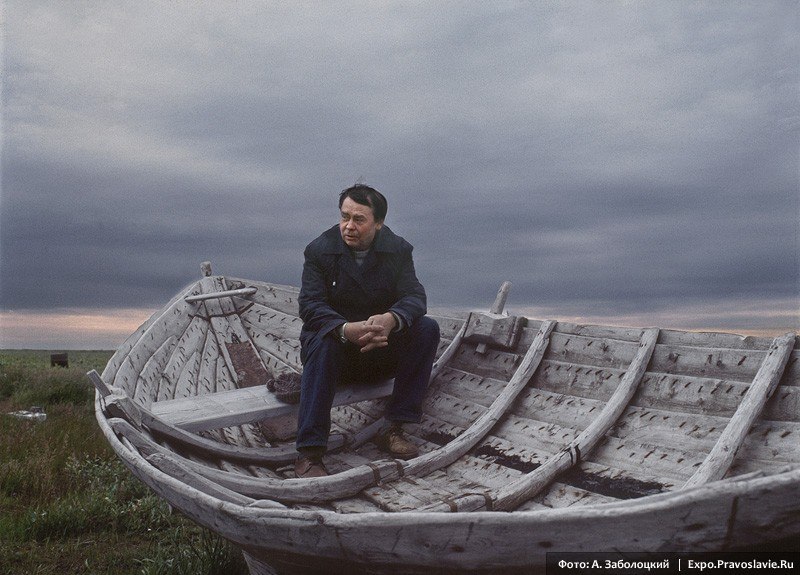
[
  {"x": 276, "y": 351},
  {"x": 742, "y": 466},
  {"x": 695, "y": 432},
  {"x": 272, "y": 321},
  {"x": 404, "y": 494},
  {"x": 448, "y": 326},
  {"x": 542, "y": 405},
  {"x": 713, "y": 340},
  {"x": 670, "y": 462},
  {"x": 224, "y": 380},
  {"x": 600, "y": 332},
  {"x": 791, "y": 375},
  {"x": 282, "y": 298},
  {"x": 496, "y": 364},
  {"x": 358, "y": 504},
  {"x": 394, "y": 496},
  {"x": 173, "y": 322},
  {"x": 233, "y": 339},
  {"x": 719, "y": 460},
  {"x": 772, "y": 441},
  {"x": 729, "y": 364},
  {"x": 186, "y": 386},
  {"x": 577, "y": 380},
  {"x": 598, "y": 352},
  {"x": 147, "y": 382},
  {"x": 662, "y": 391},
  {"x": 626, "y": 477},
  {"x": 208, "y": 367},
  {"x": 561, "y": 495},
  {"x": 350, "y": 419},
  {"x": 691, "y": 395},
  {"x": 189, "y": 341},
  {"x": 784, "y": 405},
  {"x": 173, "y": 466},
  {"x": 247, "y": 405}
]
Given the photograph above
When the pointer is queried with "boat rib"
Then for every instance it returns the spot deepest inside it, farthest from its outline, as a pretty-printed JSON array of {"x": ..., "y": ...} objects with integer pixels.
[{"x": 766, "y": 380}]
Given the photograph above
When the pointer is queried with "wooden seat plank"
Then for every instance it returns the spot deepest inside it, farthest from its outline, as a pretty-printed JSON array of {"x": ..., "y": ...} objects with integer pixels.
[{"x": 248, "y": 405}]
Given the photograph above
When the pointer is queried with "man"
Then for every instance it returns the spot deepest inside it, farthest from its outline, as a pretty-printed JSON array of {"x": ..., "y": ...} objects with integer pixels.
[{"x": 363, "y": 312}]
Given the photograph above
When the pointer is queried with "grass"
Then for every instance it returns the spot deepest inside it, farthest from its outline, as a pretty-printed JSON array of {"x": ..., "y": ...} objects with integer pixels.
[{"x": 69, "y": 506}]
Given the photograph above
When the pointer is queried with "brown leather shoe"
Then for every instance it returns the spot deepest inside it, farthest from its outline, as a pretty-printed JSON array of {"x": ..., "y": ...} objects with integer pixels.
[
  {"x": 394, "y": 442},
  {"x": 307, "y": 466}
]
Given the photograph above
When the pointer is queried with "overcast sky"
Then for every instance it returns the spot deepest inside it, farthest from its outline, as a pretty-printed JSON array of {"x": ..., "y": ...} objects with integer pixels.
[{"x": 629, "y": 160}]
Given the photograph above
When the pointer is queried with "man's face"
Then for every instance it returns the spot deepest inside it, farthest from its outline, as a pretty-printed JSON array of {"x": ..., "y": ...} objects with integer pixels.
[{"x": 358, "y": 226}]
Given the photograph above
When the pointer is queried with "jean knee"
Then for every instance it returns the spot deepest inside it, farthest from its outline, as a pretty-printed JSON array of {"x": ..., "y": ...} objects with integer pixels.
[{"x": 428, "y": 328}]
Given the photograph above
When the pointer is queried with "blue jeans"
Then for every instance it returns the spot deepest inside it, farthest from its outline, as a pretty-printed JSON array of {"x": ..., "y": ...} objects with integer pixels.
[{"x": 409, "y": 358}]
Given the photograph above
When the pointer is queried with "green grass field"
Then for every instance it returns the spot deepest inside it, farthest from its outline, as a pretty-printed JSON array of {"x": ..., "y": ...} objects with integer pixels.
[{"x": 68, "y": 505}]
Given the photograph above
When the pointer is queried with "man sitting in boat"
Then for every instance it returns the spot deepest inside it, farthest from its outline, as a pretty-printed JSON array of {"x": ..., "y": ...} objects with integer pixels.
[{"x": 363, "y": 312}]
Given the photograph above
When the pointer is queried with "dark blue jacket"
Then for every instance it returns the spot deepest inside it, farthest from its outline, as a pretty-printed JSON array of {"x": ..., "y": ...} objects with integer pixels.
[{"x": 336, "y": 289}]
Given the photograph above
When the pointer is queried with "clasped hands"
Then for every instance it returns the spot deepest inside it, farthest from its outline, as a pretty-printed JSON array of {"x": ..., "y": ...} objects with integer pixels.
[{"x": 371, "y": 333}]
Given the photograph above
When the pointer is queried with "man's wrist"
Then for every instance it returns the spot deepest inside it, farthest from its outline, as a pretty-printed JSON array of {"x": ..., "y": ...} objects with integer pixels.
[
  {"x": 397, "y": 320},
  {"x": 340, "y": 333}
]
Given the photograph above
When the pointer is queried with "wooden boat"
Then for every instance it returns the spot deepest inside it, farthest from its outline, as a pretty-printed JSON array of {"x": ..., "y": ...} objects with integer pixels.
[{"x": 538, "y": 437}]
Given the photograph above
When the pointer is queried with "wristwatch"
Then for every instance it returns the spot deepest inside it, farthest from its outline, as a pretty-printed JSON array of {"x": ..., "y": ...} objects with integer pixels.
[{"x": 340, "y": 333}]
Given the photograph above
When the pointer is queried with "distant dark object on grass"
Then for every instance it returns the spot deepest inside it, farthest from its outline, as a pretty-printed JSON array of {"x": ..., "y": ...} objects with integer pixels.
[{"x": 59, "y": 359}]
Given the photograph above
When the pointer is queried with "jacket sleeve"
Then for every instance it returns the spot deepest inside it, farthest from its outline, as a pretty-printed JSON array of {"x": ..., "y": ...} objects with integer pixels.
[
  {"x": 317, "y": 315},
  {"x": 412, "y": 301}
]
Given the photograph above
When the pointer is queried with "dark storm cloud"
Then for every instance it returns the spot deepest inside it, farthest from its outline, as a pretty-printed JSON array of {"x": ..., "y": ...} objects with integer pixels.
[{"x": 620, "y": 157}]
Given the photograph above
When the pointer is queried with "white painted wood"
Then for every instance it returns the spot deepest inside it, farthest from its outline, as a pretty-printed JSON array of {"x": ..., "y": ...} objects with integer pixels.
[{"x": 721, "y": 457}]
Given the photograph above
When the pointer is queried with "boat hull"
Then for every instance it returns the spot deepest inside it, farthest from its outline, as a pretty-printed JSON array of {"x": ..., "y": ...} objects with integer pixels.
[
  {"x": 618, "y": 388},
  {"x": 718, "y": 517}
]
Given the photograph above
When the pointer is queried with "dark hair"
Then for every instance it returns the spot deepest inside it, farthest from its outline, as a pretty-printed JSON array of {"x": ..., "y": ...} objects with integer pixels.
[{"x": 366, "y": 196}]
